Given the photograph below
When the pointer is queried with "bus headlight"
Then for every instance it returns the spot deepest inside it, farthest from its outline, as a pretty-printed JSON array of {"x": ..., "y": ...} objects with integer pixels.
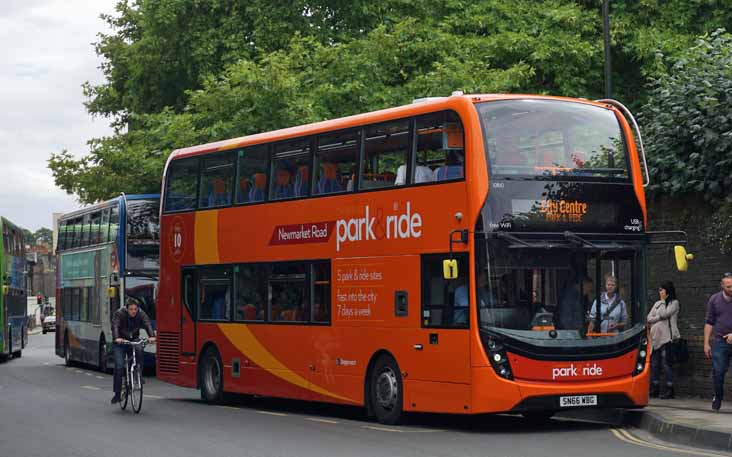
[
  {"x": 640, "y": 362},
  {"x": 498, "y": 357}
]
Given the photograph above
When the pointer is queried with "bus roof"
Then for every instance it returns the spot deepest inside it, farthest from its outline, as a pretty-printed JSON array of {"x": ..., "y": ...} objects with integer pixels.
[
  {"x": 8, "y": 222},
  {"x": 106, "y": 203},
  {"x": 418, "y": 107}
]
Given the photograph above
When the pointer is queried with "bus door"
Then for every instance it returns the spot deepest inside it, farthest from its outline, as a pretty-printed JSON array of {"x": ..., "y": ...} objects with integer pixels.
[
  {"x": 188, "y": 306},
  {"x": 443, "y": 345}
]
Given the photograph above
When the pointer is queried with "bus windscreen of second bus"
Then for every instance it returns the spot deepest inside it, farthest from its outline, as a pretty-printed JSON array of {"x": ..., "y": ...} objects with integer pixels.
[{"x": 143, "y": 235}]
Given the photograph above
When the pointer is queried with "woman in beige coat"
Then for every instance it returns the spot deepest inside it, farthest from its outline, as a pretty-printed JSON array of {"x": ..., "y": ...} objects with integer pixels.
[{"x": 664, "y": 329}]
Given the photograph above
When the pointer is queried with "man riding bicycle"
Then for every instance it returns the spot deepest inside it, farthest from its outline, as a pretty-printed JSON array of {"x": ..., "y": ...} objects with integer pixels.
[{"x": 126, "y": 325}]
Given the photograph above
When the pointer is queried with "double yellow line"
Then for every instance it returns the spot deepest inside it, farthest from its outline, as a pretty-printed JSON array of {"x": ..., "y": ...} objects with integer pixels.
[{"x": 624, "y": 435}]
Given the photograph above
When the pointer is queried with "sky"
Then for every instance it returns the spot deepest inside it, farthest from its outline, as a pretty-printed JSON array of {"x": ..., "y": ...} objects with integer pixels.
[{"x": 46, "y": 54}]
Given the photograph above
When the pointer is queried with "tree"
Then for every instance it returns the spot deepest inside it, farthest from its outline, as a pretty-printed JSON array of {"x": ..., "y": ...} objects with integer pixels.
[
  {"x": 44, "y": 235},
  {"x": 190, "y": 71},
  {"x": 688, "y": 125},
  {"x": 28, "y": 237}
]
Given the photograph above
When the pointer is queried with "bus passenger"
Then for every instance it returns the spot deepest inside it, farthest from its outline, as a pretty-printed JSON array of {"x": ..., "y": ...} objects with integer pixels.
[
  {"x": 453, "y": 168},
  {"x": 421, "y": 174},
  {"x": 572, "y": 304},
  {"x": 613, "y": 311}
]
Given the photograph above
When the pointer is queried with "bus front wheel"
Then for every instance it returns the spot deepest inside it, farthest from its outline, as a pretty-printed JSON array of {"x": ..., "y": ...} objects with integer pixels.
[
  {"x": 67, "y": 352},
  {"x": 102, "y": 362},
  {"x": 211, "y": 376},
  {"x": 386, "y": 390}
]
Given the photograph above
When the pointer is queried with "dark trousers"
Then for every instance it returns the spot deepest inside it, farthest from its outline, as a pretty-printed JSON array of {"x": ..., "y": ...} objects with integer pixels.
[
  {"x": 661, "y": 360},
  {"x": 119, "y": 351},
  {"x": 721, "y": 353}
]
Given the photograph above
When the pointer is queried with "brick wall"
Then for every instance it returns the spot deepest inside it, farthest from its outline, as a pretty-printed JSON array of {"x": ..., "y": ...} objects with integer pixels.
[{"x": 692, "y": 287}]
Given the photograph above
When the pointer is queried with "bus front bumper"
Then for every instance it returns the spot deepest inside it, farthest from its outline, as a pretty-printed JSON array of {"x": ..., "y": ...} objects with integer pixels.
[{"x": 492, "y": 394}]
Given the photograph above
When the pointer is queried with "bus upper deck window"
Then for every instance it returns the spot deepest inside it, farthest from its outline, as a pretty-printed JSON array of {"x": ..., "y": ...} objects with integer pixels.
[
  {"x": 217, "y": 175},
  {"x": 336, "y": 159},
  {"x": 290, "y": 173},
  {"x": 252, "y": 173},
  {"x": 180, "y": 194},
  {"x": 440, "y": 148},
  {"x": 387, "y": 147}
]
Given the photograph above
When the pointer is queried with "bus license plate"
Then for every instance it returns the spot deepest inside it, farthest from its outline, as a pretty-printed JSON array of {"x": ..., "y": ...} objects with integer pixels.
[{"x": 578, "y": 400}]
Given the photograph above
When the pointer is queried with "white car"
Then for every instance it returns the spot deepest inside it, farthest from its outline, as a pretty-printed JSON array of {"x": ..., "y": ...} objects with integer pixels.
[{"x": 49, "y": 323}]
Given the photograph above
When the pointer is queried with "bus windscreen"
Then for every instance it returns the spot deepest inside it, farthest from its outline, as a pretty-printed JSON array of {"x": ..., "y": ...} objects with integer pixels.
[
  {"x": 533, "y": 288},
  {"x": 553, "y": 138},
  {"x": 143, "y": 235}
]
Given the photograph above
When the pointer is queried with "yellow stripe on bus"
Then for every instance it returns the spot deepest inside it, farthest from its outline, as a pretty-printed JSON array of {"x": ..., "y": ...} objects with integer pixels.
[
  {"x": 245, "y": 341},
  {"x": 206, "y": 237}
]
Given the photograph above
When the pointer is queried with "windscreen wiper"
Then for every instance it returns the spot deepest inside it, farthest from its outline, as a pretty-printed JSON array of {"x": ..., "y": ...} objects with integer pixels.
[
  {"x": 510, "y": 237},
  {"x": 571, "y": 236}
]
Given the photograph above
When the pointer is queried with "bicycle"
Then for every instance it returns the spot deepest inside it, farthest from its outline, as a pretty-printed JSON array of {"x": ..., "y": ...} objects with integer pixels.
[{"x": 132, "y": 379}]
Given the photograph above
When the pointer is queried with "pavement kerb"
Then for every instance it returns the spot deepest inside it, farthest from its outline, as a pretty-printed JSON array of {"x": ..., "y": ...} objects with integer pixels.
[{"x": 660, "y": 427}]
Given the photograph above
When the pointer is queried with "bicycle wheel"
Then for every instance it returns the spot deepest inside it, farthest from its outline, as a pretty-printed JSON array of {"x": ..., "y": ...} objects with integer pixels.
[
  {"x": 136, "y": 390},
  {"x": 124, "y": 395}
]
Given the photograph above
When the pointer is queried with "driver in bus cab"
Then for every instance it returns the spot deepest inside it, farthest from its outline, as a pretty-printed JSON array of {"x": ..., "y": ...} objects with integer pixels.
[
  {"x": 462, "y": 298},
  {"x": 126, "y": 325}
]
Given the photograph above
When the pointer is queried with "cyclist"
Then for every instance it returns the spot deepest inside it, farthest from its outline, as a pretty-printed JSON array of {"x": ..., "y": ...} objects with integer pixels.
[{"x": 126, "y": 325}]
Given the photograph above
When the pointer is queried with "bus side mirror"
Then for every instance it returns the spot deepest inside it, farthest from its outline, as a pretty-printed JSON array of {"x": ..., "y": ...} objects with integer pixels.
[
  {"x": 682, "y": 258},
  {"x": 112, "y": 292},
  {"x": 449, "y": 269}
]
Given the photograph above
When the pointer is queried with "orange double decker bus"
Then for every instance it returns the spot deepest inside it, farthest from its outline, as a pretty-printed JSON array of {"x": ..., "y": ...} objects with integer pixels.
[{"x": 465, "y": 254}]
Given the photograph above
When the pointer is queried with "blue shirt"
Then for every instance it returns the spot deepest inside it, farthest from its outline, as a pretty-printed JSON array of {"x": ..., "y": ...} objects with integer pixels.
[{"x": 618, "y": 315}]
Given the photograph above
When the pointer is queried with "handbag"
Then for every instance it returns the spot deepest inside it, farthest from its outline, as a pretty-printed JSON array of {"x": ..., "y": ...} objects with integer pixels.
[{"x": 678, "y": 349}]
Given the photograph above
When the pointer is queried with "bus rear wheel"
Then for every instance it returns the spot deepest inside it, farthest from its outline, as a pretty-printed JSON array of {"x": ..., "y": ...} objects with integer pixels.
[
  {"x": 211, "y": 377},
  {"x": 386, "y": 391}
]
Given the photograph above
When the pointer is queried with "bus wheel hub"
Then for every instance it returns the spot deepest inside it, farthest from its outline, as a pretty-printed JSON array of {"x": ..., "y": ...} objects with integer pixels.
[{"x": 387, "y": 389}]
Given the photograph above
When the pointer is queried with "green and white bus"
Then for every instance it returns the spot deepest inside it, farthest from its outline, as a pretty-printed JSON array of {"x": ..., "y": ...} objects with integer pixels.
[
  {"x": 106, "y": 252},
  {"x": 13, "y": 303}
]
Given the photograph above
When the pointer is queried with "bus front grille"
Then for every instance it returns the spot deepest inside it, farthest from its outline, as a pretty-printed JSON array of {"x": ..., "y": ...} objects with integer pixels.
[{"x": 168, "y": 352}]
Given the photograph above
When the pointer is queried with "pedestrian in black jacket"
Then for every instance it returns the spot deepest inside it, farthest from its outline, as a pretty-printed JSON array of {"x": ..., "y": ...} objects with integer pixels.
[{"x": 126, "y": 325}]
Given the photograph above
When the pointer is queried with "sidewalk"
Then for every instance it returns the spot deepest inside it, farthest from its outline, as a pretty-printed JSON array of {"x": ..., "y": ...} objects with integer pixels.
[{"x": 689, "y": 422}]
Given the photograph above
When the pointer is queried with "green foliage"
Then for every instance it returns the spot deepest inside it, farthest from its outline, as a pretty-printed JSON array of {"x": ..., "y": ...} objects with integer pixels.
[
  {"x": 43, "y": 235},
  {"x": 183, "y": 72},
  {"x": 719, "y": 230},
  {"x": 688, "y": 125}
]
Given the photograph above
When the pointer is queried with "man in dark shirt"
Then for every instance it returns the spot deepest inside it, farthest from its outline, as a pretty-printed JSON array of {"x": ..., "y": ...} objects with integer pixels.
[
  {"x": 718, "y": 336},
  {"x": 126, "y": 325}
]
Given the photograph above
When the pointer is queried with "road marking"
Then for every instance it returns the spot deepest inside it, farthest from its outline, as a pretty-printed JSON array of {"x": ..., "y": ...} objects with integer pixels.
[
  {"x": 271, "y": 413},
  {"x": 624, "y": 435},
  {"x": 382, "y": 429},
  {"x": 229, "y": 407},
  {"x": 324, "y": 421},
  {"x": 90, "y": 388}
]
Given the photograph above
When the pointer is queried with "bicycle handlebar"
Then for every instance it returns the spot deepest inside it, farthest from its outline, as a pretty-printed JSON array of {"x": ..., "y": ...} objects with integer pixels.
[{"x": 141, "y": 342}]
